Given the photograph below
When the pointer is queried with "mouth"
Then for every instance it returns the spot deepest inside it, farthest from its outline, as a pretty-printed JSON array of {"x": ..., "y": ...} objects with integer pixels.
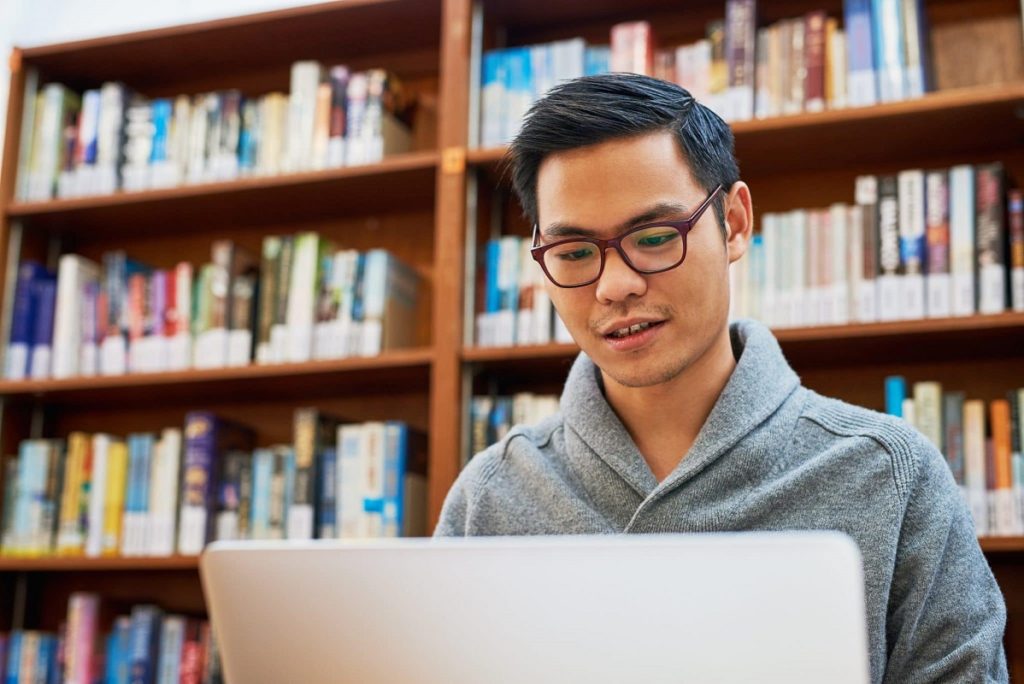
[{"x": 632, "y": 330}]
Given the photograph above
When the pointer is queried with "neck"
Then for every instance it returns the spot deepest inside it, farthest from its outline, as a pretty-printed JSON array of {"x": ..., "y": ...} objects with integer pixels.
[{"x": 664, "y": 419}]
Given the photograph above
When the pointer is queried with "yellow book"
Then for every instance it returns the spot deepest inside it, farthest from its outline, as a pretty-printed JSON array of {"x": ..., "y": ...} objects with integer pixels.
[
  {"x": 70, "y": 539},
  {"x": 113, "y": 504}
]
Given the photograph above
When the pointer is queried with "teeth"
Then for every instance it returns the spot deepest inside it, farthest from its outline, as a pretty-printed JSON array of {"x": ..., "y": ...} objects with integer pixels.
[{"x": 631, "y": 330}]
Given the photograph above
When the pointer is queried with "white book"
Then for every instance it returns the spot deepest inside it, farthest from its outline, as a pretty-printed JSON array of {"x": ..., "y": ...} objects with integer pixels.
[
  {"x": 305, "y": 80},
  {"x": 855, "y": 260},
  {"x": 72, "y": 275},
  {"x": 302, "y": 297},
  {"x": 801, "y": 305},
  {"x": 837, "y": 50},
  {"x": 350, "y": 468},
  {"x": 913, "y": 48},
  {"x": 912, "y": 243},
  {"x": 164, "y": 486},
  {"x": 97, "y": 495},
  {"x": 840, "y": 246},
  {"x": 974, "y": 464},
  {"x": 372, "y": 479},
  {"x": 108, "y": 138},
  {"x": 961, "y": 238},
  {"x": 526, "y": 281},
  {"x": 769, "y": 236}
]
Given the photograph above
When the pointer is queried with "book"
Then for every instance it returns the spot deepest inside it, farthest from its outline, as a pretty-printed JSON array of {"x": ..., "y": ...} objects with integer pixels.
[{"x": 206, "y": 437}]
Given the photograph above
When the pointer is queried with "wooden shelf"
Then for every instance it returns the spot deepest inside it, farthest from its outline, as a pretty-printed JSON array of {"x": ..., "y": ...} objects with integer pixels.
[
  {"x": 898, "y": 341},
  {"x": 248, "y": 201},
  {"x": 216, "y": 53},
  {"x": 1002, "y": 544},
  {"x": 65, "y": 564},
  {"x": 403, "y": 368},
  {"x": 980, "y": 121}
]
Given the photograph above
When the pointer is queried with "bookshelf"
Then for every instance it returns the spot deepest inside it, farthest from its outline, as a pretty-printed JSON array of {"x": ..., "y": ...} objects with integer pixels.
[{"x": 435, "y": 207}]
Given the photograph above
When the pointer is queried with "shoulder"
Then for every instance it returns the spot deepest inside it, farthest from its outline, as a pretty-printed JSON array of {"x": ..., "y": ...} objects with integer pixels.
[
  {"x": 521, "y": 442},
  {"x": 904, "y": 449}
]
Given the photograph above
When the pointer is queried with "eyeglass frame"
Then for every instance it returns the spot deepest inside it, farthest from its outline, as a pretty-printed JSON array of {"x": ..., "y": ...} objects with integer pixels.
[{"x": 682, "y": 226}]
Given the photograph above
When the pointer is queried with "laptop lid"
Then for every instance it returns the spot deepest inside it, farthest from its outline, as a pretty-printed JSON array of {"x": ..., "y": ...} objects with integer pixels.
[{"x": 766, "y": 607}]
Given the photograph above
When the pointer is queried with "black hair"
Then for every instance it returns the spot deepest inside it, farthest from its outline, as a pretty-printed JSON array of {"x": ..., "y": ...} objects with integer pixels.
[{"x": 594, "y": 109}]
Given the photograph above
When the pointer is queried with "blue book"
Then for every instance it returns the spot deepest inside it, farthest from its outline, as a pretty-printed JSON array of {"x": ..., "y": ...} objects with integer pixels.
[
  {"x": 22, "y": 321},
  {"x": 262, "y": 473},
  {"x": 518, "y": 90},
  {"x": 889, "y": 51},
  {"x": 596, "y": 60},
  {"x": 119, "y": 651},
  {"x": 492, "y": 300},
  {"x": 492, "y": 97},
  {"x": 91, "y": 101},
  {"x": 358, "y": 295},
  {"x": 145, "y": 639},
  {"x": 248, "y": 136},
  {"x": 47, "y": 669},
  {"x": 162, "y": 112},
  {"x": 44, "y": 301},
  {"x": 328, "y": 494},
  {"x": 862, "y": 77},
  {"x": 396, "y": 447},
  {"x": 895, "y": 393},
  {"x": 13, "y": 658}
]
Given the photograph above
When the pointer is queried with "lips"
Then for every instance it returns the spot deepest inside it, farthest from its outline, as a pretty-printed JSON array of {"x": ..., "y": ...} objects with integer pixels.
[{"x": 626, "y": 327}]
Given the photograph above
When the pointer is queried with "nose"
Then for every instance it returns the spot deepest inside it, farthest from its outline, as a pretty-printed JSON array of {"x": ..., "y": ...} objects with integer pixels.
[{"x": 618, "y": 281}]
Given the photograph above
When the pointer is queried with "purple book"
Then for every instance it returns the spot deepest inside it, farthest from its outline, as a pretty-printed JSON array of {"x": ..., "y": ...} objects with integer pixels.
[
  {"x": 44, "y": 300},
  {"x": 23, "y": 320},
  {"x": 207, "y": 438}
]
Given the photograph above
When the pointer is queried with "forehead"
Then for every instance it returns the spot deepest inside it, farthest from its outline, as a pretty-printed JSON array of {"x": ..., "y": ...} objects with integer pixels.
[{"x": 603, "y": 185}]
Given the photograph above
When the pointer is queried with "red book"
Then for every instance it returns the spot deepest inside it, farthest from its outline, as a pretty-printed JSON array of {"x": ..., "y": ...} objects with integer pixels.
[{"x": 814, "y": 58}]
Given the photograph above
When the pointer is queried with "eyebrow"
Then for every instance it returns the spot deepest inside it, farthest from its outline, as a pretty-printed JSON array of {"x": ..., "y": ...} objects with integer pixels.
[{"x": 659, "y": 211}]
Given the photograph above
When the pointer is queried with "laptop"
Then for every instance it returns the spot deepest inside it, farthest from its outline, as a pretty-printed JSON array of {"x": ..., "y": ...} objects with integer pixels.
[{"x": 737, "y": 607}]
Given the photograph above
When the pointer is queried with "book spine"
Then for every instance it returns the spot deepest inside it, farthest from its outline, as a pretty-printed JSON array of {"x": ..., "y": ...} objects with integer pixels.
[
  {"x": 22, "y": 322},
  {"x": 741, "y": 27},
  {"x": 302, "y": 521},
  {"x": 888, "y": 249},
  {"x": 328, "y": 494},
  {"x": 953, "y": 424},
  {"x": 991, "y": 238},
  {"x": 887, "y": 32},
  {"x": 940, "y": 285},
  {"x": 97, "y": 495},
  {"x": 975, "y": 477},
  {"x": 962, "y": 262},
  {"x": 144, "y": 640},
  {"x": 198, "y": 482},
  {"x": 814, "y": 50},
  {"x": 895, "y": 393},
  {"x": 117, "y": 473},
  {"x": 82, "y": 631},
  {"x": 912, "y": 243},
  {"x": 928, "y": 410},
  {"x": 1015, "y": 219}
]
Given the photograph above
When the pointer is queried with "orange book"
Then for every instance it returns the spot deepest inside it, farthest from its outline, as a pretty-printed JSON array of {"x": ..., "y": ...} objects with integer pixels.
[{"x": 999, "y": 412}]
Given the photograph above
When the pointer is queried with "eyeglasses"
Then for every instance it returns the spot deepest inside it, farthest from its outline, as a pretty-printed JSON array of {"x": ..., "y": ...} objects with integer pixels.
[{"x": 647, "y": 249}]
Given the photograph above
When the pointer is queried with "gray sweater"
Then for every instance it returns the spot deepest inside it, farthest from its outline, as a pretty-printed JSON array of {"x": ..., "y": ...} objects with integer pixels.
[{"x": 772, "y": 455}]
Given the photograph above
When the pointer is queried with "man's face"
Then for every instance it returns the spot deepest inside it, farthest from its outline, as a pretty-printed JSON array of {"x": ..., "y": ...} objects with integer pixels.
[{"x": 602, "y": 190}]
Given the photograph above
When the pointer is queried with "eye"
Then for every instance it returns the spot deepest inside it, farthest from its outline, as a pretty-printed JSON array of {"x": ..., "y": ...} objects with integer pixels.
[
  {"x": 575, "y": 253},
  {"x": 656, "y": 239}
]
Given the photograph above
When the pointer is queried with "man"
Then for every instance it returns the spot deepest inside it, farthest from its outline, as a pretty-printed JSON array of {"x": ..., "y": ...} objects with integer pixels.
[{"x": 674, "y": 421}]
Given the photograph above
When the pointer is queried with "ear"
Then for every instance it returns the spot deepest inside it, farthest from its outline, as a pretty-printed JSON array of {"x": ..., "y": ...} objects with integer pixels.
[{"x": 739, "y": 220}]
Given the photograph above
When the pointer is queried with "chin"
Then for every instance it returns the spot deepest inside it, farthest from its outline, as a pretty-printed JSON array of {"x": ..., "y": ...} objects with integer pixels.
[{"x": 643, "y": 372}]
